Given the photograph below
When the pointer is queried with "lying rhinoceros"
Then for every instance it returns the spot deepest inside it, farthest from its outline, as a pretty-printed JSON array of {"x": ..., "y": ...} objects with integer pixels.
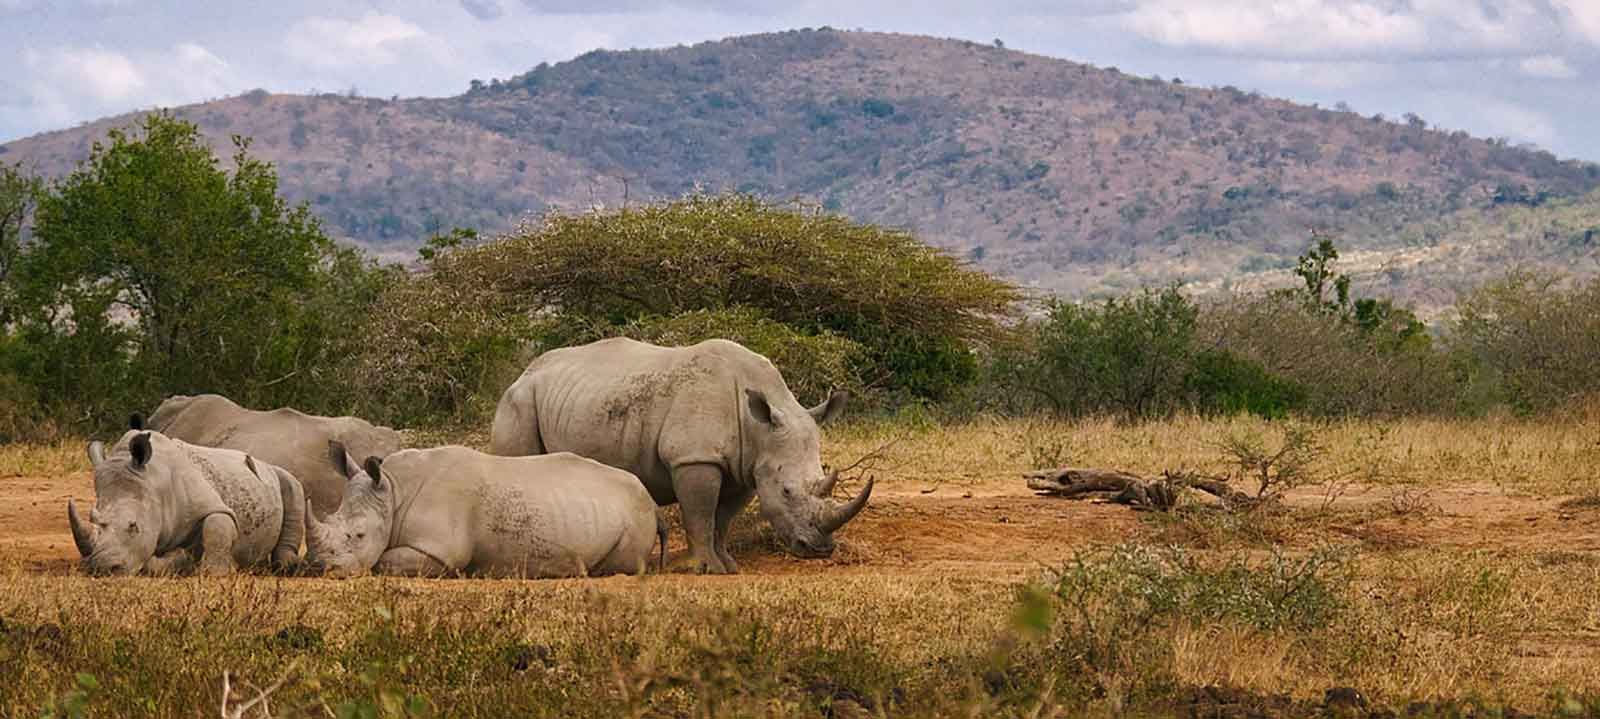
[
  {"x": 706, "y": 426},
  {"x": 286, "y": 437},
  {"x": 453, "y": 510},
  {"x": 165, "y": 506}
]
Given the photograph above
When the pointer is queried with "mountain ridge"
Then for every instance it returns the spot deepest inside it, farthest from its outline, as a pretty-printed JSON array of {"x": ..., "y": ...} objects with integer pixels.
[{"x": 1067, "y": 177}]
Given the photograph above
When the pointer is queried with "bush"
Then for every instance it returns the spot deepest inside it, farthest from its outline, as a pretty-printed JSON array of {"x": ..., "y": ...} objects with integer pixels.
[
  {"x": 153, "y": 271},
  {"x": 1327, "y": 364},
  {"x": 812, "y": 365},
  {"x": 914, "y": 311},
  {"x": 1530, "y": 341},
  {"x": 1126, "y": 355},
  {"x": 1103, "y": 613}
]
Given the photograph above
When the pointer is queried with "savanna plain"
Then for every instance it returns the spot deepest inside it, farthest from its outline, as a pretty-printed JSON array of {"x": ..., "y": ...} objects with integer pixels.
[{"x": 1415, "y": 567}]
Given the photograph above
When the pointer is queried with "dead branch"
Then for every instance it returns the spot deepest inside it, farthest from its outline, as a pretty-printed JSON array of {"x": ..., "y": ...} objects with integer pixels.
[
  {"x": 238, "y": 712},
  {"x": 1160, "y": 493}
]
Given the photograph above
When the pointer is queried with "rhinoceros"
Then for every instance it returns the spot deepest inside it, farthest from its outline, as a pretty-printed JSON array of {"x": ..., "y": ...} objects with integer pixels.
[
  {"x": 453, "y": 509},
  {"x": 706, "y": 426},
  {"x": 286, "y": 437},
  {"x": 166, "y": 506}
]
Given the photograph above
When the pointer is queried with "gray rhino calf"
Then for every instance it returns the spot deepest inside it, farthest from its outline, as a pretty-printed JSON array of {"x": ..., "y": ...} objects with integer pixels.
[
  {"x": 166, "y": 506},
  {"x": 449, "y": 510}
]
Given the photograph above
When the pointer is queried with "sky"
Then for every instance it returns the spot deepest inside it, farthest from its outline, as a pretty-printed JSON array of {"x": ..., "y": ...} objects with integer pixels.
[{"x": 1525, "y": 70}]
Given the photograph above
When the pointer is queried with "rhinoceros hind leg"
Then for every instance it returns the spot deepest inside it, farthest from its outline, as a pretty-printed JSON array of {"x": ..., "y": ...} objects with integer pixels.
[
  {"x": 698, "y": 487},
  {"x": 408, "y": 562},
  {"x": 217, "y": 535}
]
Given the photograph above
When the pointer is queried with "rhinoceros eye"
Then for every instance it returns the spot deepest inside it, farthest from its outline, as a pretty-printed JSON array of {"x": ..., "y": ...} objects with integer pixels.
[
  {"x": 361, "y": 535},
  {"x": 133, "y": 527}
]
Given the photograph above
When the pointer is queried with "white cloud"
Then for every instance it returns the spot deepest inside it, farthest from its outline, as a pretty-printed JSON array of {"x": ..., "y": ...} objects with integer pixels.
[
  {"x": 1516, "y": 122},
  {"x": 1550, "y": 66},
  {"x": 1585, "y": 15},
  {"x": 1305, "y": 29},
  {"x": 1330, "y": 75},
  {"x": 100, "y": 74},
  {"x": 373, "y": 40}
]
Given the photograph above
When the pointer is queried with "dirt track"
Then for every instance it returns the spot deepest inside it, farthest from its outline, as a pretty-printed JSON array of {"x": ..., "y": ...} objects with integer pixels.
[{"x": 994, "y": 527}]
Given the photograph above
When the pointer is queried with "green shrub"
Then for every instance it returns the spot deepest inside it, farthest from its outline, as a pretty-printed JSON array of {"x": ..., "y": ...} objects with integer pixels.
[
  {"x": 1531, "y": 340},
  {"x": 1125, "y": 355},
  {"x": 1101, "y": 613},
  {"x": 152, "y": 271},
  {"x": 915, "y": 311},
  {"x": 1223, "y": 383},
  {"x": 812, "y": 365}
]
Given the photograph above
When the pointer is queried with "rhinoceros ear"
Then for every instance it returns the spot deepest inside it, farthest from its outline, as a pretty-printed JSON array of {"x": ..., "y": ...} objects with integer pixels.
[
  {"x": 761, "y": 409},
  {"x": 97, "y": 453},
  {"x": 374, "y": 467},
  {"x": 830, "y": 409},
  {"x": 136, "y": 422},
  {"x": 141, "y": 450}
]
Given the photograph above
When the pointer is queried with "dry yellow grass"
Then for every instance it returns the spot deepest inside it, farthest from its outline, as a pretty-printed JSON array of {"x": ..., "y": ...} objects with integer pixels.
[
  {"x": 1494, "y": 593},
  {"x": 1546, "y": 457}
]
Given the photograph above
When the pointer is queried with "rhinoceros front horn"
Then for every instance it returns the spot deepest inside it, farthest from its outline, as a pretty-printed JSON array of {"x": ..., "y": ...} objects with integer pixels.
[
  {"x": 81, "y": 535},
  {"x": 836, "y": 517}
]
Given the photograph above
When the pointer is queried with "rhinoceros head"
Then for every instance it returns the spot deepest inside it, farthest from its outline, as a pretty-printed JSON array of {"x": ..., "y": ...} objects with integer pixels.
[
  {"x": 350, "y": 541},
  {"x": 124, "y": 526},
  {"x": 788, "y": 473}
]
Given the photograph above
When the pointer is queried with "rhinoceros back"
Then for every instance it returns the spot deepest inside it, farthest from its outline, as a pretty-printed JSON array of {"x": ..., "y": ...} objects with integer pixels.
[
  {"x": 288, "y": 438},
  {"x": 546, "y": 515},
  {"x": 636, "y": 406}
]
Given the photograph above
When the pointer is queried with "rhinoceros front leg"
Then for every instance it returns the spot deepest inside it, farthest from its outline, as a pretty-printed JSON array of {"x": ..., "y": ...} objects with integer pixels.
[
  {"x": 177, "y": 561},
  {"x": 699, "y": 487},
  {"x": 217, "y": 535},
  {"x": 727, "y": 509},
  {"x": 408, "y": 562}
]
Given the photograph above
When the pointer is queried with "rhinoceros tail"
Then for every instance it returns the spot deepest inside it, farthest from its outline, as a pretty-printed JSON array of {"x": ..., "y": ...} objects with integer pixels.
[{"x": 661, "y": 538}]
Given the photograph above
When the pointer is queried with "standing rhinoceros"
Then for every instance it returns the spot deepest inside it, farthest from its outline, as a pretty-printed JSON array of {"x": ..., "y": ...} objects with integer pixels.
[
  {"x": 286, "y": 437},
  {"x": 705, "y": 426},
  {"x": 161, "y": 505},
  {"x": 454, "y": 509}
]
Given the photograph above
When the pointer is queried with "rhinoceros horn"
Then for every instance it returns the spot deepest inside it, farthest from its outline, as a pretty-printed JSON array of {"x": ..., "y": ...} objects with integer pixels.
[
  {"x": 837, "y": 516},
  {"x": 826, "y": 490},
  {"x": 81, "y": 533}
]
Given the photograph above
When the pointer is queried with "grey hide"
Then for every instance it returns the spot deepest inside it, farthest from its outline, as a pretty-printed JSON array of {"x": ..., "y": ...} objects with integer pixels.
[
  {"x": 453, "y": 509},
  {"x": 166, "y": 506},
  {"x": 286, "y": 437},
  {"x": 706, "y": 426}
]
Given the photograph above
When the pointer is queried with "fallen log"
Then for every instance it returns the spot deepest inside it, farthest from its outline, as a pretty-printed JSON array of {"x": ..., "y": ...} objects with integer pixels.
[{"x": 1125, "y": 488}]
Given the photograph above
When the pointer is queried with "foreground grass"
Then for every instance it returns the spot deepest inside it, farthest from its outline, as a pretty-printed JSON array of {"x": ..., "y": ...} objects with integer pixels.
[{"x": 1131, "y": 626}]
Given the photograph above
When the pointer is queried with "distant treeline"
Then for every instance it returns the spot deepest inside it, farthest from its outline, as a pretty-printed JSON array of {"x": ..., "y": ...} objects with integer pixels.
[{"x": 152, "y": 270}]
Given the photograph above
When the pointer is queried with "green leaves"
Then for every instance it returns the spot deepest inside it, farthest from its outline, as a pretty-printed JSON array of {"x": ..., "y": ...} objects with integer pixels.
[{"x": 155, "y": 270}]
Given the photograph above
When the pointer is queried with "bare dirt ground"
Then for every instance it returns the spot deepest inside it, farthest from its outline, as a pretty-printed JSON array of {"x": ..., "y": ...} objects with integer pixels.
[{"x": 994, "y": 527}]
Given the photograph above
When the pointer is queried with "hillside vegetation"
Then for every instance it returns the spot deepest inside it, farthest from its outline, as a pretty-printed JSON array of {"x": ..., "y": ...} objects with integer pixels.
[{"x": 1068, "y": 177}]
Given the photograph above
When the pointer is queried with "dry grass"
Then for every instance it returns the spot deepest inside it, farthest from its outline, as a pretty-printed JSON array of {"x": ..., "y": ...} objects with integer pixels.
[
  {"x": 1480, "y": 602},
  {"x": 1543, "y": 457},
  {"x": 32, "y": 460}
]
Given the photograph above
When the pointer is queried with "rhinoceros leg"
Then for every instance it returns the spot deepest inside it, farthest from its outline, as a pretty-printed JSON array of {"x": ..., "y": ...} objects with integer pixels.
[
  {"x": 177, "y": 561},
  {"x": 408, "y": 562},
  {"x": 217, "y": 535},
  {"x": 699, "y": 487},
  {"x": 287, "y": 552},
  {"x": 729, "y": 507}
]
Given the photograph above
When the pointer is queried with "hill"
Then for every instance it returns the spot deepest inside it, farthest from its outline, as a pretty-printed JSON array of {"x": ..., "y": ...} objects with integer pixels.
[{"x": 1072, "y": 178}]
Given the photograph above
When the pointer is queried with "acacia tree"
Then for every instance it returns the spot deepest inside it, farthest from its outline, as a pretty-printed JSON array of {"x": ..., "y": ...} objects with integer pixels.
[{"x": 153, "y": 269}]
